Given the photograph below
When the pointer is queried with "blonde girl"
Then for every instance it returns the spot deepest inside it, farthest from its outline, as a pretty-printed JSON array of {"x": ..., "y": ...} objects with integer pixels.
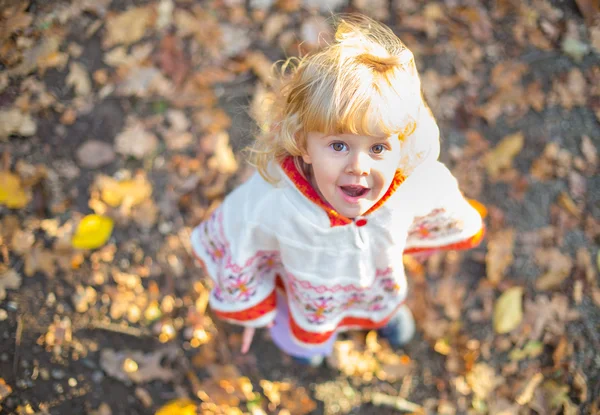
[{"x": 347, "y": 181}]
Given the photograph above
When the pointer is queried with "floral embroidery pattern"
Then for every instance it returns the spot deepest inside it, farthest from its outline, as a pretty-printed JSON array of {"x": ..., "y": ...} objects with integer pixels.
[
  {"x": 436, "y": 224},
  {"x": 238, "y": 283},
  {"x": 317, "y": 308}
]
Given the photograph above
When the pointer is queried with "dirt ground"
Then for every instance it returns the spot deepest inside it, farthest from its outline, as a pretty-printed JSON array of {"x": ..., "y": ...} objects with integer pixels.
[{"x": 164, "y": 90}]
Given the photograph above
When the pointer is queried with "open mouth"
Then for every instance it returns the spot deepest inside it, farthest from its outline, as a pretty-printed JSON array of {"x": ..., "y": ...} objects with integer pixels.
[{"x": 354, "y": 190}]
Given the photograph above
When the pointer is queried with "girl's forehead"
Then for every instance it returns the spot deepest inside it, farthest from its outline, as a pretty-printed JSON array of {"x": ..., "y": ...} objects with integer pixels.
[{"x": 351, "y": 136}]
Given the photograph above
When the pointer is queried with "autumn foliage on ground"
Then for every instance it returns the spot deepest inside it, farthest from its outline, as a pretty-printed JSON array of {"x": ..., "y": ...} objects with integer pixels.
[{"x": 121, "y": 128}]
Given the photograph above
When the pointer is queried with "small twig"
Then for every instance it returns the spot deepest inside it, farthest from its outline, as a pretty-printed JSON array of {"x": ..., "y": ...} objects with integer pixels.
[
  {"x": 116, "y": 328},
  {"x": 381, "y": 399},
  {"x": 18, "y": 337}
]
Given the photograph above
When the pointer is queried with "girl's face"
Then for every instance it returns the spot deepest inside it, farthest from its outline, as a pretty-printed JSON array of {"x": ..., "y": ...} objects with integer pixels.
[{"x": 352, "y": 172}]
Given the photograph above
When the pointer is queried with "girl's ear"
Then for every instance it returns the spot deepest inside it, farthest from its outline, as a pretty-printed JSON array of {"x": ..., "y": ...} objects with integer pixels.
[{"x": 306, "y": 157}]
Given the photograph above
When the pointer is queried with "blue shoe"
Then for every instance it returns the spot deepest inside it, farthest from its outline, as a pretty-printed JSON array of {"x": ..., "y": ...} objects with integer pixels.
[
  {"x": 314, "y": 361},
  {"x": 400, "y": 329}
]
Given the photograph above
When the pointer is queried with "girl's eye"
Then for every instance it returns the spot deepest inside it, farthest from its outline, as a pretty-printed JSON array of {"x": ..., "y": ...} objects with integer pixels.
[
  {"x": 378, "y": 148},
  {"x": 338, "y": 146}
]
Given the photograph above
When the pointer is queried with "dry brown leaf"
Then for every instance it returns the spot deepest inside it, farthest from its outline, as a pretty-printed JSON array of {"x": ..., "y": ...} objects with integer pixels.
[
  {"x": 13, "y": 121},
  {"x": 288, "y": 397},
  {"x": 136, "y": 141},
  {"x": 9, "y": 280},
  {"x": 535, "y": 96},
  {"x": 42, "y": 56},
  {"x": 223, "y": 159},
  {"x": 136, "y": 366},
  {"x": 483, "y": 380},
  {"x": 79, "y": 79},
  {"x": 40, "y": 259},
  {"x": 500, "y": 158},
  {"x": 499, "y": 256},
  {"x": 172, "y": 60},
  {"x": 5, "y": 390},
  {"x": 570, "y": 93},
  {"x": 128, "y": 27},
  {"x": 508, "y": 310},
  {"x": 22, "y": 241},
  {"x": 590, "y": 153},
  {"x": 527, "y": 394},
  {"x": 557, "y": 268},
  {"x": 274, "y": 25},
  {"x": 261, "y": 66}
]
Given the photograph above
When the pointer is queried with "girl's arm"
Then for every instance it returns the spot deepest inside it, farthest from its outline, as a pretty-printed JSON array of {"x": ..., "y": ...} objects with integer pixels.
[{"x": 443, "y": 218}]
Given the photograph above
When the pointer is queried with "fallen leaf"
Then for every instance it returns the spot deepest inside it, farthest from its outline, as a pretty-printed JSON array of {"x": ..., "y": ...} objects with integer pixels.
[
  {"x": 575, "y": 48},
  {"x": 590, "y": 153},
  {"x": 500, "y": 158},
  {"x": 94, "y": 153},
  {"x": 557, "y": 268},
  {"x": 527, "y": 394},
  {"x": 9, "y": 280},
  {"x": 92, "y": 232},
  {"x": 223, "y": 159},
  {"x": 136, "y": 366},
  {"x": 396, "y": 402},
  {"x": 508, "y": 310},
  {"x": 499, "y": 256},
  {"x": 42, "y": 56},
  {"x": 5, "y": 390},
  {"x": 128, "y": 27},
  {"x": 182, "y": 406},
  {"x": 79, "y": 79},
  {"x": 482, "y": 380},
  {"x": 165, "y": 14},
  {"x": 12, "y": 194},
  {"x": 40, "y": 259},
  {"x": 532, "y": 349},
  {"x": 172, "y": 60},
  {"x": 136, "y": 141},
  {"x": 13, "y": 121},
  {"x": 130, "y": 192}
]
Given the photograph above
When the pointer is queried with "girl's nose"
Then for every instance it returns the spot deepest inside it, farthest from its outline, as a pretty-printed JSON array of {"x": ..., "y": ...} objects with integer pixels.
[{"x": 359, "y": 164}]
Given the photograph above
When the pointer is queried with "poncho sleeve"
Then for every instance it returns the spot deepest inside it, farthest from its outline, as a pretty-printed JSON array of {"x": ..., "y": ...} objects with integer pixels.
[
  {"x": 443, "y": 218},
  {"x": 240, "y": 254}
]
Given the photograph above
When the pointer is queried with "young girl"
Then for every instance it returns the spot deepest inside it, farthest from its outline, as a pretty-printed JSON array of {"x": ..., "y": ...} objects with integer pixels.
[{"x": 348, "y": 180}]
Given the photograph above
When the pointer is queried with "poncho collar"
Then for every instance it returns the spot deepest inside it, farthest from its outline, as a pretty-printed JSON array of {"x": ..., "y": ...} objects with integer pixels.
[{"x": 335, "y": 219}]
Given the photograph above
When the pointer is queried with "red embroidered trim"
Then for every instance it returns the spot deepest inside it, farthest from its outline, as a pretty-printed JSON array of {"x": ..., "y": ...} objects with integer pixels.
[
  {"x": 335, "y": 219},
  {"x": 265, "y": 306},
  {"x": 310, "y": 337},
  {"x": 468, "y": 243}
]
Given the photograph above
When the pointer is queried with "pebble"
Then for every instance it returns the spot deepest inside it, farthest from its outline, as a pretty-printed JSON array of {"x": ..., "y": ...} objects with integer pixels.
[
  {"x": 72, "y": 382},
  {"x": 4, "y": 357},
  {"x": 97, "y": 376},
  {"x": 3, "y": 315},
  {"x": 12, "y": 306},
  {"x": 44, "y": 374},
  {"x": 58, "y": 374},
  {"x": 22, "y": 384},
  {"x": 58, "y": 388}
]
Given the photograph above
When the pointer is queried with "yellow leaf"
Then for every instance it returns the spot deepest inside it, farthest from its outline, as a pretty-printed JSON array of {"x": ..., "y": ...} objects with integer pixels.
[
  {"x": 178, "y": 407},
  {"x": 133, "y": 192},
  {"x": 508, "y": 311},
  {"x": 92, "y": 232},
  {"x": 11, "y": 193}
]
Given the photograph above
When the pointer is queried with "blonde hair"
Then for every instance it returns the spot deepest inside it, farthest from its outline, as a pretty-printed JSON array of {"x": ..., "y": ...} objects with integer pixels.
[{"x": 365, "y": 82}]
